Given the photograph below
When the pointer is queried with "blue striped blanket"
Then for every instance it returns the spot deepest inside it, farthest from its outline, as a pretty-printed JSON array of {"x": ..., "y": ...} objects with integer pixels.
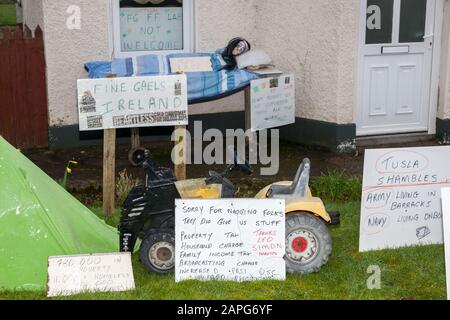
[{"x": 201, "y": 85}]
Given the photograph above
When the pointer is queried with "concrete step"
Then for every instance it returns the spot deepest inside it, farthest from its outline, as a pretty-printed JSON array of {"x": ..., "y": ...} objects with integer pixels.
[{"x": 397, "y": 141}]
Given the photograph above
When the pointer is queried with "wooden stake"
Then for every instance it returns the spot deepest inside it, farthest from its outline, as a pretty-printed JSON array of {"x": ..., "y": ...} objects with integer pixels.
[
  {"x": 109, "y": 169},
  {"x": 248, "y": 117},
  {"x": 135, "y": 139},
  {"x": 109, "y": 172},
  {"x": 180, "y": 157},
  {"x": 248, "y": 110}
]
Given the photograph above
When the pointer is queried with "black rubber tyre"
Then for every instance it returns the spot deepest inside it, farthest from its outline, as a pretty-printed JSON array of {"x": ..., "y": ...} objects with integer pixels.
[
  {"x": 157, "y": 252},
  {"x": 136, "y": 156},
  {"x": 308, "y": 243}
]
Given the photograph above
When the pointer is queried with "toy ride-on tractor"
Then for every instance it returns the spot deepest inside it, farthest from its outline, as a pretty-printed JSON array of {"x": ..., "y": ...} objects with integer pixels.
[{"x": 149, "y": 214}]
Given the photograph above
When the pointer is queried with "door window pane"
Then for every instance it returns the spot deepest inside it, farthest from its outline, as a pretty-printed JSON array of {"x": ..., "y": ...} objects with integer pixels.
[
  {"x": 379, "y": 21},
  {"x": 152, "y": 25},
  {"x": 412, "y": 20}
]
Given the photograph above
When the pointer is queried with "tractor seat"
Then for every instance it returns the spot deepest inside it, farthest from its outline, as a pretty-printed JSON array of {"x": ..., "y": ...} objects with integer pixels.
[
  {"x": 278, "y": 190},
  {"x": 299, "y": 186}
]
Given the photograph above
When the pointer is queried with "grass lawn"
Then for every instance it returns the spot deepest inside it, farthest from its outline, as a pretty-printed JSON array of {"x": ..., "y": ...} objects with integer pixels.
[
  {"x": 410, "y": 273},
  {"x": 7, "y": 15}
]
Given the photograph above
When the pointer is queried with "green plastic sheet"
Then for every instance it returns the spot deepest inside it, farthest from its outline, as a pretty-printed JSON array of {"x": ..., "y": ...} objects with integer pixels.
[{"x": 38, "y": 219}]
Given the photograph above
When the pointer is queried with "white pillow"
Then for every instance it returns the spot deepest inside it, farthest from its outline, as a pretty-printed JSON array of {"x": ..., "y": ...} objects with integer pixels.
[{"x": 253, "y": 58}]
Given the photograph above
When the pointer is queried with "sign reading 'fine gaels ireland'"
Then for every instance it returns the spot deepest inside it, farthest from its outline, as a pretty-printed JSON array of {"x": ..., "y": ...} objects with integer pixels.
[
  {"x": 115, "y": 103},
  {"x": 401, "y": 199}
]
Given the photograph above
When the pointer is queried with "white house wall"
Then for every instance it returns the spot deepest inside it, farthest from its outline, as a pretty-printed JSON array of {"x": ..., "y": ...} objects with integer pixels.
[
  {"x": 32, "y": 13},
  {"x": 325, "y": 68},
  {"x": 444, "y": 84},
  {"x": 216, "y": 23},
  {"x": 67, "y": 50},
  {"x": 318, "y": 41}
]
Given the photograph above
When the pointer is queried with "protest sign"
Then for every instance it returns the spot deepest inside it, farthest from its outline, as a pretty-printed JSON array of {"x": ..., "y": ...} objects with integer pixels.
[
  {"x": 70, "y": 275},
  {"x": 272, "y": 102},
  {"x": 151, "y": 29},
  {"x": 114, "y": 103},
  {"x": 401, "y": 197},
  {"x": 235, "y": 240},
  {"x": 446, "y": 219}
]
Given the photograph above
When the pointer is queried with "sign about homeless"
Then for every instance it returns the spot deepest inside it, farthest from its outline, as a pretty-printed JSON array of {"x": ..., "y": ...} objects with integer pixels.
[
  {"x": 151, "y": 29},
  {"x": 70, "y": 275},
  {"x": 272, "y": 102},
  {"x": 114, "y": 103},
  {"x": 230, "y": 240},
  {"x": 401, "y": 198},
  {"x": 446, "y": 218}
]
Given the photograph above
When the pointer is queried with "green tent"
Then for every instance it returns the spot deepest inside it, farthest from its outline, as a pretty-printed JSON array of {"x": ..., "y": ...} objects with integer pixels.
[{"x": 38, "y": 219}]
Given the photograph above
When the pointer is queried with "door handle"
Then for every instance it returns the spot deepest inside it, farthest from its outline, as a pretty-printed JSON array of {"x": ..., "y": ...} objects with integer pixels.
[{"x": 431, "y": 35}]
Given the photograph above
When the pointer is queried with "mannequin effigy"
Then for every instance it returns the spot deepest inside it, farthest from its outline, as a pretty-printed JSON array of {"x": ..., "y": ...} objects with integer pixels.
[{"x": 235, "y": 47}]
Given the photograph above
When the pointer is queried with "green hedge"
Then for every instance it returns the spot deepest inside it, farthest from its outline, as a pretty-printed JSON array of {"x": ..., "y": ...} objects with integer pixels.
[{"x": 7, "y": 15}]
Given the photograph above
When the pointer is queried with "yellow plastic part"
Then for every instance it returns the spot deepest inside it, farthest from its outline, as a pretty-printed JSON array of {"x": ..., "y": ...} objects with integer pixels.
[
  {"x": 310, "y": 204},
  {"x": 198, "y": 189}
]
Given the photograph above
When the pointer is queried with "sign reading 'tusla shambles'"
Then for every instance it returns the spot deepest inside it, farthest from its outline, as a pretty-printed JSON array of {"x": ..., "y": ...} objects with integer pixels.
[
  {"x": 446, "y": 217},
  {"x": 114, "y": 103},
  {"x": 401, "y": 198}
]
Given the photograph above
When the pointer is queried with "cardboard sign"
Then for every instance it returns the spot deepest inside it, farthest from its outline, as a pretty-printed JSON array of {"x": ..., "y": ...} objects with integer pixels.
[
  {"x": 114, "y": 103},
  {"x": 272, "y": 102},
  {"x": 233, "y": 240},
  {"x": 151, "y": 29},
  {"x": 70, "y": 275},
  {"x": 191, "y": 64},
  {"x": 401, "y": 203},
  {"x": 446, "y": 220}
]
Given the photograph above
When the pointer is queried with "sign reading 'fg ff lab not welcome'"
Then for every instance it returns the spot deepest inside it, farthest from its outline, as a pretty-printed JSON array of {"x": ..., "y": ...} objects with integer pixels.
[{"x": 114, "y": 103}]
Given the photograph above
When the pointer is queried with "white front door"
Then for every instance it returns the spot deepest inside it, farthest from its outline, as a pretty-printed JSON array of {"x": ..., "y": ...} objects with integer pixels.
[{"x": 395, "y": 66}]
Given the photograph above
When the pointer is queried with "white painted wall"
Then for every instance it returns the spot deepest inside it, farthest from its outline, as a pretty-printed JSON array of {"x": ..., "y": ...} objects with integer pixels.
[
  {"x": 32, "y": 13},
  {"x": 315, "y": 40},
  {"x": 217, "y": 22},
  {"x": 68, "y": 50},
  {"x": 318, "y": 41},
  {"x": 444, "y": 83},
  {"x": 324, "y": 59}
]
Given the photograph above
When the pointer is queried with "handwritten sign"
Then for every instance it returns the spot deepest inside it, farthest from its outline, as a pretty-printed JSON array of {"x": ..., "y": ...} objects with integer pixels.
[
  {"x": 401, "y": 197},
  {"x": 446, "y": 218},
  {"x": 132, "y": 102},
  {"x": 233, "y": 240},
  {"x": 272, "y": 102},
  {"x": 70, "y": 275},
  {"x": 151, "y": 29},
  {"x": 191, "y": 64}
]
